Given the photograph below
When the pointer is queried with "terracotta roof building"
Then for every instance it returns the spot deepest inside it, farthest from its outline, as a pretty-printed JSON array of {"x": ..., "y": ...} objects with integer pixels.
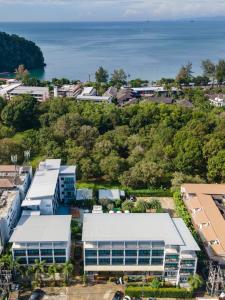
[{"x": 206, "y": 204}]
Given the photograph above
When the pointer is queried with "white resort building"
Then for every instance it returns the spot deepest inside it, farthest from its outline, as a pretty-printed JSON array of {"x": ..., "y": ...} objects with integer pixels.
[
  {"x": 138, "y": 244},
  {"x": 52, "y": 184},
  {"x": 43, "y": 238},
  {"x": 10, "y": 210}
]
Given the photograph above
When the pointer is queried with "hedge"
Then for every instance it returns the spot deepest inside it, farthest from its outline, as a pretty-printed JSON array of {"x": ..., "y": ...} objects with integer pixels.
[{"x": 146, "y": 291}]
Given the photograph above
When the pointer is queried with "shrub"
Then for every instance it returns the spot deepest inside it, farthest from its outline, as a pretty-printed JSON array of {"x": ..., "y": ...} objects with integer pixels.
[{"x": 159, "y": 293}]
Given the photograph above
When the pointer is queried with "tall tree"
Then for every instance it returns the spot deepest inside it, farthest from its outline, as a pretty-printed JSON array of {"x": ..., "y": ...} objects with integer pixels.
[
  {"x": 209, "y": 69},
  {"x": 67, "y": 270},
  {"x": 220, "y": 71},
  {"x": 185, "y": 74},
  {"x": 118, "y": 78},
  {"x": 21, "y": 112},
  {"x": 101, "y": 75},
  {"x": 38, "y": 270}
]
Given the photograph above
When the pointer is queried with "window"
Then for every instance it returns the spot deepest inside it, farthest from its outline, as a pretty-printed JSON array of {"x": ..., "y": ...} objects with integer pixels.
[
  {"x": 32, "y": 260},
  {"x": 104, "y": 252},
  {"x": 34, "y": 252},
  {"x": 186, "y": 271},
  {"x": 90, "y": 253},
  {"x": 19, "y": 252},
  {"x": 144, "y": 252},
  {"x": 157, "y": 252},
  {"x": 60, "y": 252},
  {"x": 157, "y": 261},
  {"x": 48, "y": 260},
  {"x": 104, "y": 261},
  {"x": 91, "y": 261},
  {"x": 131, "y": 252},
  {"x": 60, "y": 260},
  {"x": 46, "y": 252},
  {"x": 130, "y": 261},
  {"x": 172, "y": 266},
  {"x": 117, "y": 261},
  {"x": 143, "y": 261},
  {"x": 117, "y": 252},
  {"x": 173, "y": 257}
]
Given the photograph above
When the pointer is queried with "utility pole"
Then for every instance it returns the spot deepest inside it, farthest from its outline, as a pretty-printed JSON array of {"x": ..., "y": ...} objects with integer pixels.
[
  {"x": 26, "y": 157},
  {"x": 14, "y": 161}
]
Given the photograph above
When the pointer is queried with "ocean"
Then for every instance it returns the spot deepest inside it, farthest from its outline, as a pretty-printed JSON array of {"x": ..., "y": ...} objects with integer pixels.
[{"x": 147, "y": 50}]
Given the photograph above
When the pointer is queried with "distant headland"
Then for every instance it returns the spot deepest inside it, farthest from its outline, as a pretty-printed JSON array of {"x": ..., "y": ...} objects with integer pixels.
[{"x": 16, "y": 50}]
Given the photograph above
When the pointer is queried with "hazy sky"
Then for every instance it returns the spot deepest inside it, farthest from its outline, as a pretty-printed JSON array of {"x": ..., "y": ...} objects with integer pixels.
[{"x": 108, "y": 10}]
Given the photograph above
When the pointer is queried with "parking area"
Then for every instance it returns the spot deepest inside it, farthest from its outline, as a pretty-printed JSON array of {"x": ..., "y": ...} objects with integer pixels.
[{"x": 78, "y": 292}]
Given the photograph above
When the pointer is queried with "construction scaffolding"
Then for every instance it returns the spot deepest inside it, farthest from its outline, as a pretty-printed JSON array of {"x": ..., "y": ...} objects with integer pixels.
[{"x": 216, "y": 279}]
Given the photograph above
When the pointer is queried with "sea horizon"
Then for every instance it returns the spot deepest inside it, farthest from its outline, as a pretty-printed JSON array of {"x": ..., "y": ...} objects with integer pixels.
[{"x": 148, "y": 49}]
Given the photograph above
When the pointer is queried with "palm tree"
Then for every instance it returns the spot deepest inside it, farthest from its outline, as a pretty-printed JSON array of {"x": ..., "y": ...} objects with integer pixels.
[
  {"x": 195, "y": 281},
  {"x": 38, "y": 269},
  {"x": 67, "y": 270},
  {"x": 52, "y": 271}
]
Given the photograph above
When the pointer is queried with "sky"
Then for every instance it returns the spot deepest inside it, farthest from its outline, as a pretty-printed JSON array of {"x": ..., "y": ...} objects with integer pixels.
[{"x": 108, "y": 10}]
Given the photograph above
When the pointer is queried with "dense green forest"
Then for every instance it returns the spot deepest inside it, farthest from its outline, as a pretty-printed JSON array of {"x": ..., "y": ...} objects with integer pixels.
[
  {"x": 143, "y": 145},
  {"x": 15, "y": 51}
]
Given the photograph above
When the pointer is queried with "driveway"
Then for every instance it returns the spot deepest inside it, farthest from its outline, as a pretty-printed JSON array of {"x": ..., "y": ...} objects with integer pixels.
[{"x": 78, "y": 292}]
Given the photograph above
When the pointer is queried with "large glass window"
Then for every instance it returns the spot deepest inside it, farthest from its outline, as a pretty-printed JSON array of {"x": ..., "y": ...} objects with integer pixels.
[
  {"x": 143, "y": 261},
  {"x": 46, "y": 252},
  {"x": 131, "y": 252},
  {"x": 172, "y": 257},
  {"x": 186, "y": 271},
  {"x": 19, "y": 253},
  {"x": 130, "y": 261},
  {"x": 157, "y": 261},
  {"x": 91, "y": 261},
  {"x": 157, "y": 252},
  {"x": 144, "y": 252},
  {"x": 48, "y": 260},
  {"x": 104, "y": 252},
  {"x": 34, "y": 252},
  {"x": 104, "y": 261},
  {"x": 90, "y": 253},
  {"x": 117, "y": 252},
  {"x": 60, "y": 260},
  {"x": 171, "y": 265},
  {"x": 32, "y": 260},
  {"x": 117, "y": 261},
  {"x": 59, "y": 251}
]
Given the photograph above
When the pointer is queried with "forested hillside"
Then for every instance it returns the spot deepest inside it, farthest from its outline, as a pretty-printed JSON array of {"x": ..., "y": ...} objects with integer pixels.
[
  {"x": 15, "y": 51},
  {"x": 143, "y": 145}
]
